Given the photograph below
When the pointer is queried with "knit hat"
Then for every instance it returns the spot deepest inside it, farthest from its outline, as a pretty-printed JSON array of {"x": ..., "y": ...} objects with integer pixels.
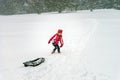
[{"x": 60, "y": 31}]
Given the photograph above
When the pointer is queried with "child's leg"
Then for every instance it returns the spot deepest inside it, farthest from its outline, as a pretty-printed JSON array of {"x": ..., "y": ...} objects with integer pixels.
[
  {"x": 58, "y": 48},
  {"x": 54, "y": 48}
]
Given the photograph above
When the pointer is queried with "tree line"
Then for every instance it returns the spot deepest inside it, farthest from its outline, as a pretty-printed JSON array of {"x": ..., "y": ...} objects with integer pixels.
[{"x": 40, "y": 6}]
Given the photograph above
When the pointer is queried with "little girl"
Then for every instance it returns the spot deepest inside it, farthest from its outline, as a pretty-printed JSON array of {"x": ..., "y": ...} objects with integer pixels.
[{"x": 56, "y": 38}]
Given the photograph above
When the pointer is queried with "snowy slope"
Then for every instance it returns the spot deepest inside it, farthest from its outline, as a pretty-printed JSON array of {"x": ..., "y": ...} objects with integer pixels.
[{"x": 91, "y": 49}]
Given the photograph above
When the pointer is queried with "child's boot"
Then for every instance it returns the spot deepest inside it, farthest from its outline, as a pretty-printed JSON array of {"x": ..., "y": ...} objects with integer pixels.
[{"x": 53, "y": 51}]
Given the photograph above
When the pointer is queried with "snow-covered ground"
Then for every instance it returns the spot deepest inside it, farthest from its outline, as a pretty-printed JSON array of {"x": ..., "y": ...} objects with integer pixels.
[{"x": 90, "y": 52}]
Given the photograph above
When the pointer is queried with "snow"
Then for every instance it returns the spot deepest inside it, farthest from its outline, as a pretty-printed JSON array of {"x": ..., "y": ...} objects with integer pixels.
[{"x": 90, "y": 51}]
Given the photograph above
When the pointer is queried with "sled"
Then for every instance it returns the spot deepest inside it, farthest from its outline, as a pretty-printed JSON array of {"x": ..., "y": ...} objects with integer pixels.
[{"x": 34, "y": 62}]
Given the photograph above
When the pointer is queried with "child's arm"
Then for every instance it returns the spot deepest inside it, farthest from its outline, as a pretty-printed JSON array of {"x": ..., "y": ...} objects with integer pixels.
[
  {"x": 61, "y": 42},
  {"x": 52, "y": 38}
]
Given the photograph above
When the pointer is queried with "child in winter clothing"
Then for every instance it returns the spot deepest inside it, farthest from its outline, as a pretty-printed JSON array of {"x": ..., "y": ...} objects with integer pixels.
[{"x": 56, "y": 38}]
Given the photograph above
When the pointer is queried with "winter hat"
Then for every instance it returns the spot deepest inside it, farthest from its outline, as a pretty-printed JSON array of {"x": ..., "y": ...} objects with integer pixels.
[{"x": 60, "y": 31}]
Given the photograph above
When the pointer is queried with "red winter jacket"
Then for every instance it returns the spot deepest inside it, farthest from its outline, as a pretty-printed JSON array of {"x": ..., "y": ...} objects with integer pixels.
[{"x": 56, "y": 39}]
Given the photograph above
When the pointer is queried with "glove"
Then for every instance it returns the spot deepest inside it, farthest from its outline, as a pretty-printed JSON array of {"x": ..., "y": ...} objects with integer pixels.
[
  {"x": 48, "y": 42},
  {"x": 61, "y": 45}
]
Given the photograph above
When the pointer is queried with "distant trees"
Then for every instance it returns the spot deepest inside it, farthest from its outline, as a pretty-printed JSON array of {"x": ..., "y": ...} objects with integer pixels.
[
  {"x": 36, "y": 6},
  {"x": 116, "y": 4},
  {"x": 57, "y": 5},
  {"x": 39, "y": 6},
  {"x": 91, "y": 4},
  {"x": 11, "y": 6},
  {"x": 61, "y": 5}
]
